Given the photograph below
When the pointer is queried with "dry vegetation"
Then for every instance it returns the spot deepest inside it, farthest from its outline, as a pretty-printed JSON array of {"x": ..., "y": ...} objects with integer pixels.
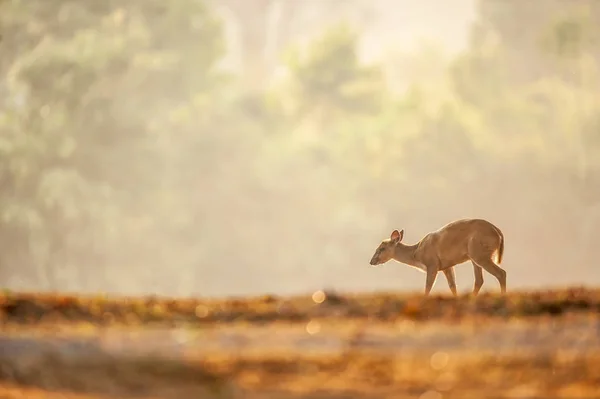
[
  {"x": 45, "y": 308},
  {"x": 524, "y": 345},
  {"x": 42, "y": 308}
]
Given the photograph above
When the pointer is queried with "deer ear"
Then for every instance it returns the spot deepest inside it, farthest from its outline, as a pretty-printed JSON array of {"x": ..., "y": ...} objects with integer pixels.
[{"x": 397, "y": 236}]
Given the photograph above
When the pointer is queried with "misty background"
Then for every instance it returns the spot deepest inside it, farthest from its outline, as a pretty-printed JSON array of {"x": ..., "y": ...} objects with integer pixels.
[{"x": 232, "y": 147}]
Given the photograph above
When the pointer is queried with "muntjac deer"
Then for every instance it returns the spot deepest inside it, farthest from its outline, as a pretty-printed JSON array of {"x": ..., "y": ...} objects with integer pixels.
[{"x": 476, "y": 240}]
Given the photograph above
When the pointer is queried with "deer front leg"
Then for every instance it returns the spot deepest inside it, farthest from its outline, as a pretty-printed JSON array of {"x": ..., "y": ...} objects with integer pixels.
[
  {"x": 449, "y": 273},
  {"x": 478, "y": 278},
  {"x": 431, "y": 276}
]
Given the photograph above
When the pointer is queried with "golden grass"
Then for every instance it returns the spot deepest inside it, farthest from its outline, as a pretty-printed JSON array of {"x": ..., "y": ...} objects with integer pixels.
[
  {"x": 558, "y": 356},
  {"x": 27, "y": 308},
  {"x": 358, "y": 375}
]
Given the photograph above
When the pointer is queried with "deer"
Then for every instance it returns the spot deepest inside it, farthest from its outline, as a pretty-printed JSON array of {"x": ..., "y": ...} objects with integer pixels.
[{"x": 476, "y": 240}]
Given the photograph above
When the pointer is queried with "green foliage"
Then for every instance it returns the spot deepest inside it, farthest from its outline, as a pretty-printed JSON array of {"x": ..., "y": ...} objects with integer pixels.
[
  {"x": 80, "y": 134},
  {"x": 123, "y": 145},
  {"x": 329, "y": 76}
]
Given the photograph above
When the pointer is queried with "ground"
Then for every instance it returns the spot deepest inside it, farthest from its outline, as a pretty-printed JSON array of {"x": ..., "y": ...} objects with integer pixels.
[{"x": 543, "y": 344}]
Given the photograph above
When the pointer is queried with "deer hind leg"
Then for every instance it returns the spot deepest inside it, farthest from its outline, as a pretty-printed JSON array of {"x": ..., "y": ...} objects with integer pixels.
[
  {"x": 449, "y": 273},
  {"x": 486, "y": 264},
  {"x": 478, "y": 278}
]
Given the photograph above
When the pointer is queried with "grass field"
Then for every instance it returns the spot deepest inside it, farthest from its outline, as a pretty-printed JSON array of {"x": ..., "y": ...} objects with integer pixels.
[{"x": 328, "y": 345}]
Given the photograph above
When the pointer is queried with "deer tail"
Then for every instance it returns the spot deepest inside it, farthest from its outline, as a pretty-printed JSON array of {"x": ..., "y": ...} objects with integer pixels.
[{"x": 500, "y": 251}]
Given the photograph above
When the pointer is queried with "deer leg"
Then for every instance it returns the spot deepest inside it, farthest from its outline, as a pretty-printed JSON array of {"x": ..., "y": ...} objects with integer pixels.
[
  {"x": 495, "y": 270},
  {"x": 478, "y": 278},
  {"x": 449, "y": 273},
  {"x": 431, "y": 276}
]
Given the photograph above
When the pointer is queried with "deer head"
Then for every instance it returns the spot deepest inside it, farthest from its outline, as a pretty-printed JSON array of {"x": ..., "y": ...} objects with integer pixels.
[{"x": 385, "y": 250}]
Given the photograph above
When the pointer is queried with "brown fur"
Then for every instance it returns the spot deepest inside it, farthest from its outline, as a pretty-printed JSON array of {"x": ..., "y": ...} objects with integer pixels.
[{"x": 476, "y": 240}]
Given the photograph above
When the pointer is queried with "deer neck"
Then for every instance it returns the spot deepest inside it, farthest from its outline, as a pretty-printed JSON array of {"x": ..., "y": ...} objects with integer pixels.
[{"x": 406, "y": 254}]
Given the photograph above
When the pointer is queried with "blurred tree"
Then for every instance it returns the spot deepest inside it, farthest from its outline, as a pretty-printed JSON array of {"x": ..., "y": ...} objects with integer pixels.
[
  {"x": 531, "y": 75},
  {"x": 328, "y": 79},
  {"x": 524, "y": 29},
  {"x": 510, "y": 78},
  {"x": 266, "y": 27},
  {"x": 128, "y": 157},
  {"x": 86, "y": 86}
]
